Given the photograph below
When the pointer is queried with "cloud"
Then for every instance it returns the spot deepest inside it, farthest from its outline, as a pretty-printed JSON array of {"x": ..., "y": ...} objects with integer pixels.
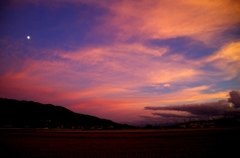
[
  {"x": 166, "y": 85},
  {"x": 213, "y": 108},
  {"x": 219, "y": 108},
  {"x": 166, "y": 19},
  {"x": 226, "y": 60},
  {"x": 173, "y": 114},
  {"x": 235, "y": 98},
  {"x": 134, "y": 60}
]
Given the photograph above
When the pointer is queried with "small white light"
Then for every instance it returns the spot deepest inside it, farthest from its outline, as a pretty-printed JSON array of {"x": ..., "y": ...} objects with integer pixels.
[{"x": 28, "y": 37}]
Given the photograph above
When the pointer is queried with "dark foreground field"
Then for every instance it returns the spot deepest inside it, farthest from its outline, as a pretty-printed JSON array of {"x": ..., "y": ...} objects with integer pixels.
[{"x": 147, "y": 143}]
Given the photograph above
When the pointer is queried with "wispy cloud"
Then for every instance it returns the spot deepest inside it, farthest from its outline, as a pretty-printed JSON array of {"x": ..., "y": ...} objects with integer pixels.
[
  {"x": 226, "y": 60},
  {"x": 165, "y": 19}
]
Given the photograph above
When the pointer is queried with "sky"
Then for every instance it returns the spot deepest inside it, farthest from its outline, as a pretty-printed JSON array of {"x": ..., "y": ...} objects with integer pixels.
[{"x": 130, "y": 61}]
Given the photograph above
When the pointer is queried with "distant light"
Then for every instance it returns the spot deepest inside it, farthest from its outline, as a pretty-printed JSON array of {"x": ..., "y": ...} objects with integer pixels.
[
  {"x": 231, "y": 105},
  {"x": 28, "y": 37}
]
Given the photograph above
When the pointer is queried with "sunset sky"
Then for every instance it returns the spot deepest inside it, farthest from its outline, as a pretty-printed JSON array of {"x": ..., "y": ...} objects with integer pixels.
[{"x": 130, "y": 61}]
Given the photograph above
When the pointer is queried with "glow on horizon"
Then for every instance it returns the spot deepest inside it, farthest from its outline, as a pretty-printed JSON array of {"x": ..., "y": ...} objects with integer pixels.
[{"x": 112, "y": 59}]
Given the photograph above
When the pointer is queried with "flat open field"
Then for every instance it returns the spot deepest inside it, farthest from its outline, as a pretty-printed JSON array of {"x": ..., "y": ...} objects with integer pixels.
[{"x": 30, "y": 143}]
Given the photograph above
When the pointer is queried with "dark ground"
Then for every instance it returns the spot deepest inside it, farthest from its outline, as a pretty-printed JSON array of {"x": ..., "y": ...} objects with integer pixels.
[{"x": 30, "y": 143}]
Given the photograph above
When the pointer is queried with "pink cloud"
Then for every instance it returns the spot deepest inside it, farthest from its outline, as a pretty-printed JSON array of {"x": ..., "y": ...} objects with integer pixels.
[{"x": 165, "y": 19}]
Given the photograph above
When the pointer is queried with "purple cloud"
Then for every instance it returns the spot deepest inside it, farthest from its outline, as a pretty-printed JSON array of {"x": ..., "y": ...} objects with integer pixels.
[
  {"x": 235, "y": 98},
  {"x": 213, "y": 108},
  {"x": 221, "y": 107}
]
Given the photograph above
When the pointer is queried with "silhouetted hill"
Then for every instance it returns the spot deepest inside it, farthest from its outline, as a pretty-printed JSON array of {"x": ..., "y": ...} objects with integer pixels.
[{"x": 21, "y": 114}]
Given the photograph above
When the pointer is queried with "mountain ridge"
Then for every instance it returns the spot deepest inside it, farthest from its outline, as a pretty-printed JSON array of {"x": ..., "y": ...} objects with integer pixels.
[{"x": 29, "y": 114}]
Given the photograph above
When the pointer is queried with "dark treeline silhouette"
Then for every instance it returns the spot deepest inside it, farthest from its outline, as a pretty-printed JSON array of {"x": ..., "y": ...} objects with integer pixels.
[
  {"x": 226, "y": 122},
  {"x": 29, "y": 114}
]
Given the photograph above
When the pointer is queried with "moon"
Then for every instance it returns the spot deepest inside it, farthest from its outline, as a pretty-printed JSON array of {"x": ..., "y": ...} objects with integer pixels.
[{"x": 28, "y": 37}]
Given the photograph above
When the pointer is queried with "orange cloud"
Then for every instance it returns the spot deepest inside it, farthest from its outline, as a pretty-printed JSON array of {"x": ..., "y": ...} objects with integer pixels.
[
  {"x": 227, "y": 59},
  {"x": 166, "y": 19}
]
